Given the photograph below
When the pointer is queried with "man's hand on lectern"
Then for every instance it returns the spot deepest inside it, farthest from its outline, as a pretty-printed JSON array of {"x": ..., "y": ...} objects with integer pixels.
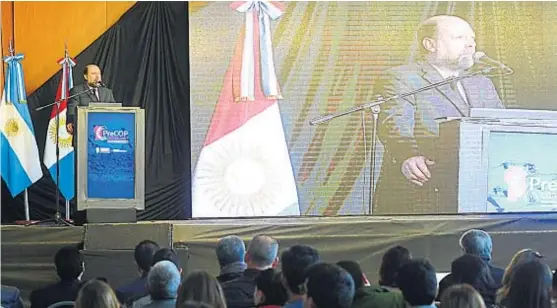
[
  {"x": 69, "y": 128},
  {"x": 416, "y": 171}
]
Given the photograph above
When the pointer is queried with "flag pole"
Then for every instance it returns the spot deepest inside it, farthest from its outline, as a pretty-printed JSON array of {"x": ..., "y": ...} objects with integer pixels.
[{"x": 67, "y": 210}]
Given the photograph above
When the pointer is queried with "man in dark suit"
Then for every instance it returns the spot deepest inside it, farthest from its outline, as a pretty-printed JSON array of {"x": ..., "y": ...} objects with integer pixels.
[
  {"x": 96, "y": 93},
  {"x": 69, "y": 266},
  {"x": 408, "y": 128}
]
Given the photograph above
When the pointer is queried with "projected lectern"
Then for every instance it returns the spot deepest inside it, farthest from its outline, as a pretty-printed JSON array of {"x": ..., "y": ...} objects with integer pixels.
[
  {"x": 110, "y": 157},
  {"x": 498, "y": 161}
]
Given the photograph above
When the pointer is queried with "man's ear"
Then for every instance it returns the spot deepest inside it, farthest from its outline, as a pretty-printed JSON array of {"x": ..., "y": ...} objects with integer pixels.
[
  {"x": 275, "y": 263},
  {"x": 429, "y": 44},
  {"x": 246, "y": 258}
]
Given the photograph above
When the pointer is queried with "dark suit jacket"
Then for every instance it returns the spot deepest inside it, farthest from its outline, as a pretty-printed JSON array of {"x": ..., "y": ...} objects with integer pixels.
[
  {"x": 105, "y": 96},
  {"x": 239, "y": 292},
  {"x": 408, "y": 127},
  {"x": 132, "y": 291},
  {"x": 61, "y": 291}
]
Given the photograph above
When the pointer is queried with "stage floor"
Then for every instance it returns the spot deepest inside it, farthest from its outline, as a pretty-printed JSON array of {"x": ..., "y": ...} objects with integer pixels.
[{"x": 27, "y": 252}]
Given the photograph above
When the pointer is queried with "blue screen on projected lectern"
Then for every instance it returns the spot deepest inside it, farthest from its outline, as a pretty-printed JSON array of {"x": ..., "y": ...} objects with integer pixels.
[{"x": 522, "y": 174}]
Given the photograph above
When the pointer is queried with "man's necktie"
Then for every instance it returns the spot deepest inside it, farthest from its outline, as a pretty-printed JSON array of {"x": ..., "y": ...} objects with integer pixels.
[{"x": 96, "y": 93}]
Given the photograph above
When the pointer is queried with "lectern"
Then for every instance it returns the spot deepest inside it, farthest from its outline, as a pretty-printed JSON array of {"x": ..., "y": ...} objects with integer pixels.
[
  {"x": 110, "y": 158},
  {"x": 498, "y": 161}
]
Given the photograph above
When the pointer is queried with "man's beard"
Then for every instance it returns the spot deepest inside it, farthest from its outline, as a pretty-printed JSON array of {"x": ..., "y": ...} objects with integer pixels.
[{"x": 465, "y": 62}]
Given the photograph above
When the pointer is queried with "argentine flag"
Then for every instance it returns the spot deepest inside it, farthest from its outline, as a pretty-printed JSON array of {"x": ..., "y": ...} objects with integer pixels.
[
  {"x": 66, "y": 154},
  {"x": 21, "y": 165}
]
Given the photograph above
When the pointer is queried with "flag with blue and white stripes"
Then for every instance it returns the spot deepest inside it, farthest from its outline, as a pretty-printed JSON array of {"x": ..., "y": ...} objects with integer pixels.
[{"x": 20, "y": 161}]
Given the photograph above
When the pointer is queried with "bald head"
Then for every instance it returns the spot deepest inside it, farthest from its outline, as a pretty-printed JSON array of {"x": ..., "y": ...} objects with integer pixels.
[
  {"x": 445, "y": 40},
  {"x": 92, "y": 74},
  {"x": 262, "y": 252}
]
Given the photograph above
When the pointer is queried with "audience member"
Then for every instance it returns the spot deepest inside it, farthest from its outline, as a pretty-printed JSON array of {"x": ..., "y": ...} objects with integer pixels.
[
  {"x": 143, "y": 255},
  {"x": 418, "y": 282},
  {"x": 200, "y": 287},
  {"x": 521, "y": 257},
  {"x": 392, "y": 260},
  {"x": 461, "y": 296},
  {"x": 294, "y": 261},
  {"x": 478, "y": 242},
  {"x": 370, "y": 296},
  {"x": 261, "y": 255},
  {"x": 530, "y": 286},
  {"x": 474, "y": 271},
  {"x": 270, "y": 291},
  {"x": 11, "y": 297},
  {"x": 230, "y": 253},
  {"x": 162, "y": 282},
  {"x": 167, "y": 254},
  {"x": 328, "y": 286},
  {"x": 69, "y": 266},
  {"x": 96, "y": 294}
]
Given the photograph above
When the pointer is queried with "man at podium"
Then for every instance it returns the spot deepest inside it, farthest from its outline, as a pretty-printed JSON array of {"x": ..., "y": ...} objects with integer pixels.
[
  {"x": 408, "y": 128},
  {"x": 93, "y": 90}
]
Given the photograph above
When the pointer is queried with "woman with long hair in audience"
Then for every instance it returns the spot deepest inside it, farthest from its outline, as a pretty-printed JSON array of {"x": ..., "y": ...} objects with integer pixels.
[
  {"x": 202, "y": 288},
  {"x": 96, "y": 294},
  {"x": 393, "y": 259},
  {"x": 521, "y": 257},
  {"x": 530, "y": 286},
  {"x": 461, "y": 296}
]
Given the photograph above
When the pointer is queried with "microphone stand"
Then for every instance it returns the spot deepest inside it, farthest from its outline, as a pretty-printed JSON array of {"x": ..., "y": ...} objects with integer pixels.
[
  {"x": 375, "y": 107},
  {"x": 57, "y": 220}
]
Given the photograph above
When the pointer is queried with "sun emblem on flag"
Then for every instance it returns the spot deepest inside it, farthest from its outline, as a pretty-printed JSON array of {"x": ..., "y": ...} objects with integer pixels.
[
  {"x": 11, "y": 127},
  {"x": 64, "y": 139}
]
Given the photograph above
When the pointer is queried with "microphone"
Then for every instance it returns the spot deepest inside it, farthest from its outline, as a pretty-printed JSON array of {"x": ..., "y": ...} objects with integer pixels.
[
  {"x": 481, "y": 57},
  {"x": 100, "y": 84}
]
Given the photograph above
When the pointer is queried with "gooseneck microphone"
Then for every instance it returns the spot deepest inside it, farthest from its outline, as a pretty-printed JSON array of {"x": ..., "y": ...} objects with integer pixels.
[{"x": 481, "y": 57}]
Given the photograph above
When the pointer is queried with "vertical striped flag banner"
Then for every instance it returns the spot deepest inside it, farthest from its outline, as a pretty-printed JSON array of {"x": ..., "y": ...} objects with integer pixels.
[
  {"x": 66, "y": 154},
  {"x": 21, "y": 166},
  {"x": 244, "y": 168}
]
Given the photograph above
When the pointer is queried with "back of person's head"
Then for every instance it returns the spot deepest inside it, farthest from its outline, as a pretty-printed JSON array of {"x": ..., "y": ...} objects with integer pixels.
[
  {"x": 262, "y": 252},
  {"x": 477, "y": 242},
  {"x": 530, "y": 286},
  {"x": 69, "y": 263},
  {"x": 230, "y": 249},
  {"x": 417, "y": 280},
  {"x": 521, "y": 257},
  {"x": 391, "y": 262},
  {"x": 354, "y": 269},
  {"x": 96, "y": 294},
  {"x": 163, "y": 280},
  {"x": 461, "y": 296},
  {"x": 473, "y": 270},
  {"x": 143, "y": 254},
  {"x": 329, "y": 286},
  {"x": 270, "y": 290},
  {"x": 294, "y": 261},
  {"x": 201, "y": 287},
  {"x": 167, "y": 254}
]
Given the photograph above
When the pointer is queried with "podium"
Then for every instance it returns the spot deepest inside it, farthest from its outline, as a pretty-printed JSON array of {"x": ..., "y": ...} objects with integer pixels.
[
  {"x": 110, "y": 155},
  {"x": 503, "y": 161}
]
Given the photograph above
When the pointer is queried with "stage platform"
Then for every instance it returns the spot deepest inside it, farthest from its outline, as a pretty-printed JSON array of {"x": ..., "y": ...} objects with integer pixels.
[{"x": 27, "y": 252}]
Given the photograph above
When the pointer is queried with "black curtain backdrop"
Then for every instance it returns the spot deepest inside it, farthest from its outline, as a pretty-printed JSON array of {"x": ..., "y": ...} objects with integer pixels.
[{"x": 145, "y": 61}]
